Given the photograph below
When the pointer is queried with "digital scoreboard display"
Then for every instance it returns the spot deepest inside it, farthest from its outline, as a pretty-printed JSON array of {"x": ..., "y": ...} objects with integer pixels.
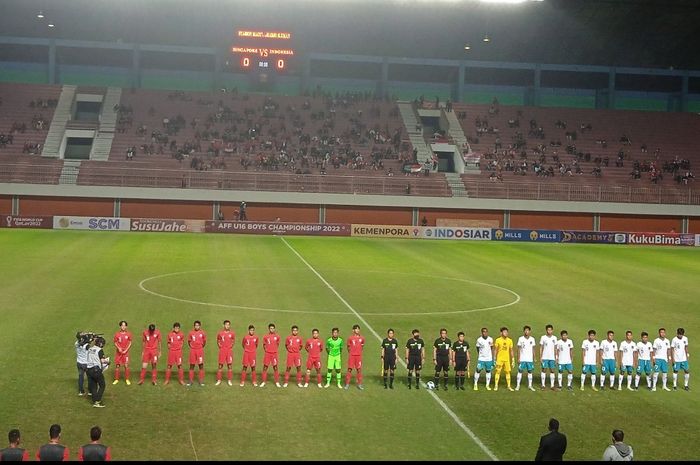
[{"x": 262, "y": 50}]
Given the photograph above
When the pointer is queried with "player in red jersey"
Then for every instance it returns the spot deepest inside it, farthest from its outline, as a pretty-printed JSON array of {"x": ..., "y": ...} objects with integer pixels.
[
  {"x": 151, "y": 353},
  {"x": 355, "y": 344},
  {"x": 271, "y": 346},
  {"x": 314, "y": 347},
  {"x": 293, "y": 343},
  {"x": 225, "y": 340},
  {"x": 176, "y": 340},
  {"x": 250, "y": 348},
  {"x": 122, "y": 342},
  {"x": 197, "y": 339}
]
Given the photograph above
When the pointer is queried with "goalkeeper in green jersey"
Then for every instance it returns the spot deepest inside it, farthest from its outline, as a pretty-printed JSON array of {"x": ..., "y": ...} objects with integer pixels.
[{"x": 334, "y": 347}]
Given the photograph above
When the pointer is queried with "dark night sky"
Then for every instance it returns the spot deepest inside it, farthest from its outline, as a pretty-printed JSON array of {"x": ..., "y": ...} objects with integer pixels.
[{"x": 646, "y": 33}]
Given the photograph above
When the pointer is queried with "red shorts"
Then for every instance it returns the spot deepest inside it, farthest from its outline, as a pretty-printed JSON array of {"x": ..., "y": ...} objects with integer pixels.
[
  {"x": 175, "y": 358},
  {"x": 196, "y": 356},
  {"x": 121, "y": 359},
  {"x": 270, "y": 359},
  {"x": 150, "y": 356},
  {"x": 313, "y": 362},
  {"x": 355, "y": 361},
  {"x": 293, "y": 359},
  {"x": 225, "y": 356},
  {"x": 249, "y": 359}
]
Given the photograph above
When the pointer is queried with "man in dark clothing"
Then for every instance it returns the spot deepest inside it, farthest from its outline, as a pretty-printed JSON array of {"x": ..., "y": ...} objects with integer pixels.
[
  {"x": 95, "y": 452},
  {"x": 552, "y": 445},
  {"x": 53, "y": 451},
  {"x": 14, "y": 453}
]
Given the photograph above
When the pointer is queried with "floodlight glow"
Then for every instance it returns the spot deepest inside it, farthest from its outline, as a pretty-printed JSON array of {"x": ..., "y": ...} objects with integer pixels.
[
  {"x": 487, "y": 38},
  {"x": 51, "y": 24},
  {"x": 509, "y": 1},
  {"x": 40, "y": 15}
]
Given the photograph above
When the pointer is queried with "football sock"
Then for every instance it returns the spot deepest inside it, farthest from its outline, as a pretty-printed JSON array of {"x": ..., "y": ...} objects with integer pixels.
[
  {"x": 559, "y": 378},
  {"x": 218, "y": 374},
  {"x": 551, "y": 379},
  {"x": 686, "y": 379},
  {"x": 229, "y": 374},
  {"x": 154, "y": 375},
  {"x": 675, "y": 380},
  {"x": 167, "y": 374},
  {"x": 570, "y": 379},
  {"x": 518, "y": 377},
  {"x": 201, "y": 375},
  {"x": 142, "y": 375},
  {"x": 529, "y": 379},
  {"x": 488, "y": 378},
  {"x": 391, "y": 379}
]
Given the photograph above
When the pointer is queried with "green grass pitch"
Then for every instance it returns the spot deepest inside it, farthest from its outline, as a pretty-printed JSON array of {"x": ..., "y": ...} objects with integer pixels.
[{"x": 54, "y": 283}]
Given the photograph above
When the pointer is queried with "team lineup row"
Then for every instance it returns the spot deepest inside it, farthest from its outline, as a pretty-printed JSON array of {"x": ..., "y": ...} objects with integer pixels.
[{"x": 633, "y": 359}]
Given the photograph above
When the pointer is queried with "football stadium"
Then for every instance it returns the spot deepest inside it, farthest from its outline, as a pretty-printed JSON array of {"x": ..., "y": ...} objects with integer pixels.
[{"x": 349, "y": 229}]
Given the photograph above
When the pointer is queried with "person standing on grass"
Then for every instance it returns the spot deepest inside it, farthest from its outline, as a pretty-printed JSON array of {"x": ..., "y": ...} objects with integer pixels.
[
  {"x": 53, "y": 451},
  {"x": 176, "y": 340},
  {"x": 484, "y": 347},
  {"x": 122, "y": 342},
  {"x": 628, "y": 360},
  {"x": 81, "y": 362},
  {"x": 661, "y": 348},
  {"x": 334, "y": 349},
  {"x": 526, "y": 358},
  {"x": 96, "y": 363},
  {"x": 196, "y": 340},
  {"x": 548, "y": 356},
  {"x": 95, "y": 451},
  {"x": 151, "y": 353},
  {"x": 388, "y": 357},
  {"x": 250, "y": 351},
  {"x": 565, "y": 357},
  {"x": 356, "y": 342},
  {"x": 313, "y": 347},
  {"x": 225, "y": 340},
  {"x": 505, "y": 360},
  {"x": 460, "y": 360},
  {"x": 271, "y": 347},
  {"x": 591, "y": 357},
  {"x": 645, "y": 354},
  {"x": 293, "y": 344},
  {"x": 618, "y": 451},
  {"x": 14, "y": 453},
  {"x": 608, "y": 349},
  {"x": 415, "y": 357},
  {"x": 680, "y": 358},
  {"x": 441, "y": 358},
  {"x": 552, "y": 445}
]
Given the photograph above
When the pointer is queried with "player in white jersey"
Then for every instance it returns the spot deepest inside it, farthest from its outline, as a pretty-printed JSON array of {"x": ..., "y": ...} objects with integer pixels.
[
  {"x": 565, "y": 350},
  {"x": 526, "y": 357},
  {"x": 609, "y": 360},
  {"x": 661, "y": 348},
  {"x": 645, "y": 355},
  {"x": 679, "y": 344},
  {"x": 484, "y": 347},
  {"x": 548, "y": 355},
  {"x": 628, "y": 360},
  {"x": 591, "y": 357}
]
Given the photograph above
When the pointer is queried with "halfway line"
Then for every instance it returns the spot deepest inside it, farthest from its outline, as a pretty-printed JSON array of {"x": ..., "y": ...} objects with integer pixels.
[{"x": 444, "y": 406}]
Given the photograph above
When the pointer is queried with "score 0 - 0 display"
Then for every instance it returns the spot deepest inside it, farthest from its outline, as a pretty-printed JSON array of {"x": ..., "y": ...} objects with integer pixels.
[{"x": 262, "y": 50}]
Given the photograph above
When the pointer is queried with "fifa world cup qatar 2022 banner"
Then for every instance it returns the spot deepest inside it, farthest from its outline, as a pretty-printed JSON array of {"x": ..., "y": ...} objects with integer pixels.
[
  {"x": 279, "y": 228},
  {"x": 39, "y": 222}
]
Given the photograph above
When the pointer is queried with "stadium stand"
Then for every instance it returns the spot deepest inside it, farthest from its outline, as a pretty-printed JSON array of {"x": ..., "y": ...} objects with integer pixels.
[
  {"x": 550, "y": 153},
  {"x": 25, "y": 114}
]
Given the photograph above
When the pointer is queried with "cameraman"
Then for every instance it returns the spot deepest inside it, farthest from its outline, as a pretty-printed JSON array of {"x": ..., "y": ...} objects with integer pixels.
[
  {"x": 96, "y": 380},
  {"x": 81, "y": 360}
]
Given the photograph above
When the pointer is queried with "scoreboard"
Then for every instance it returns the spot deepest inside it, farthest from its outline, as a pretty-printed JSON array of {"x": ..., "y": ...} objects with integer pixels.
[{"x": 259, "y": 50}]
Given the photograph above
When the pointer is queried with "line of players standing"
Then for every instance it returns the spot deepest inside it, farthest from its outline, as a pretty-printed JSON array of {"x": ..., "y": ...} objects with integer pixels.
[{"x": 555, "y": 355}]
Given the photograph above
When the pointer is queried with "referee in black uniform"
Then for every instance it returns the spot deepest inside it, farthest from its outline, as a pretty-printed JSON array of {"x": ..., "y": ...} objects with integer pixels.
[
  {"x": 415, "y": 356},
  {"x": 460, "y": 360},
  {"x": 389, "y": 346},
  {"x": 441, "y": 358}
]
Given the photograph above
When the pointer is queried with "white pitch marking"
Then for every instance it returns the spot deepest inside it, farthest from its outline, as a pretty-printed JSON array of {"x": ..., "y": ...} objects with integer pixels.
[
  {"x": 447, "y": 409},
  {"x": 193, "y": 449},
  {"x": 263, "y": 309}
]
